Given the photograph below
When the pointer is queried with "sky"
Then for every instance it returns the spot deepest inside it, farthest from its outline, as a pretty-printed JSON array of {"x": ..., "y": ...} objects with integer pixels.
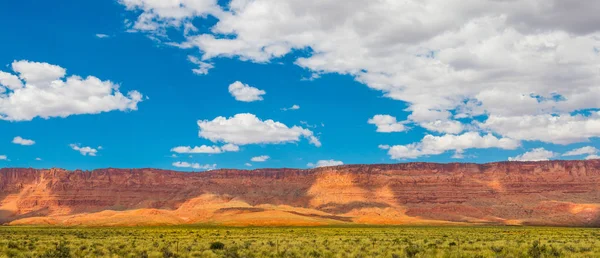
[{"x": 196, "y": 85}]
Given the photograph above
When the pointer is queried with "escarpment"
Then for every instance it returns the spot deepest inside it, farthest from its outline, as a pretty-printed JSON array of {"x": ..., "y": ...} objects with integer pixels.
[{"x": 563, "y": 193}]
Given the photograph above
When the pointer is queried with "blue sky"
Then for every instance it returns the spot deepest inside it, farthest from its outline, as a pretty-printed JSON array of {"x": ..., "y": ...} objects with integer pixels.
[{"x": 462, "y": 101}]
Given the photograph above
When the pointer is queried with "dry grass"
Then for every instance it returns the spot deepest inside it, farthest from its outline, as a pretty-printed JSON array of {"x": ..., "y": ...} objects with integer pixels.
[{"x": 354, "y": 241}]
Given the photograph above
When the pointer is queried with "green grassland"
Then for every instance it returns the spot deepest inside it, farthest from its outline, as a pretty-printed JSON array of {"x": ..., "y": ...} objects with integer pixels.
[{"x": 207, "y": 241}]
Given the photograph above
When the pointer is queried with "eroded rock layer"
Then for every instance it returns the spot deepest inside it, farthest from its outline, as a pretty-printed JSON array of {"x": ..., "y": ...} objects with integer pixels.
[{"x": 540, "y": 193}]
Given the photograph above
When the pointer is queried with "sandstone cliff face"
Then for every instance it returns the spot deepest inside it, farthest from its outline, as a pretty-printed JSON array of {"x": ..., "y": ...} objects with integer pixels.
[{"x": 540, "y": 193}]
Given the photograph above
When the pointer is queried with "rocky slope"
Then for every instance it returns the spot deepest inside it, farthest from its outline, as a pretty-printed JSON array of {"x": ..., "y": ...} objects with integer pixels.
[{"x": 540, "y": 193}]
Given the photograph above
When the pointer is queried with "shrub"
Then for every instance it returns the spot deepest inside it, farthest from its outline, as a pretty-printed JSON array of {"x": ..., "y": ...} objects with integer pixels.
[
  {"x": 98, "y": 252},
  {"x": 13, "y": 245},
  {"x": 314, "y": 253},
  {"x": 553, "y": 252},
  {"x": 60, "y": 251},
  {"x": 217, "y": 246},
  {"x": 10, "y": 253},
  {"x": 232, "y": 253},
  {"x": 412, "y": 250},
  {"x": 536, "y": 250},
  {"x": 167, "y": 253},
  {"x": 497, "y": 249},
  {"x": 571, "y": 249}
]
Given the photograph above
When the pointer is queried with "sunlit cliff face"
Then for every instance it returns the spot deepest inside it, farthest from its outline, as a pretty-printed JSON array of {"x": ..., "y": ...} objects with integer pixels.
[{"x": 541, "y": 193}]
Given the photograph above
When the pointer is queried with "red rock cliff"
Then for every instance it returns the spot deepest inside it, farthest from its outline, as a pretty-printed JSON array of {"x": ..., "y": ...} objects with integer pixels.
[{"x": 541, "y": 193}]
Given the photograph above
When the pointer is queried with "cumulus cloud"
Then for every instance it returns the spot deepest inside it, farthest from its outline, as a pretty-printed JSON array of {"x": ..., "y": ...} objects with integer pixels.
[
  {"x": 248, "y": 165},
  {"x": 435, "y": 145},
  {"x": 587, "y": 150},
  {"x": 384, "y": 146},
  {"x": 38, "y": 159},
  {"x": 244, "y": 92},
  {"x": 325, "y": 163},
  {"x": 443, "y": 126},
  {"x": 41, "y": 90},
  {"x": 559, "y": 129},
  {"x": 245, "y": 128},
  {"x": 590, "y": 157},
  {"x": 230, "y": 147},
  {"x": 201, "y": 149},
  {"x": 439, "y": 121},
  {"x": 3, "y": 157},
  {"x": 157, "y": 15},
  {"x": 203, "y": 67},
  {"x": 184, "y": 164},
  {"x": 102, "y": 36},
  {"x": 85, "y": 151},
  {"x": 261, "y": 158},
  {"x": 38, "y": 73},
  {"x": 293, "y": 107},
  {"x": 386, "y": 124},
  {"x": 538, "y": 154},
  {"x": 206, "y": 149},
  {"x": 520, "y": 66},
  {"x": 459, "y": 154},
  {"x": 19, "y": 140},
  {"x": 9, "y": 81}
]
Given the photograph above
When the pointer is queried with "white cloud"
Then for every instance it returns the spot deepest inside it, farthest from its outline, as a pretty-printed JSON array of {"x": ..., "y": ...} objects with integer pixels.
[
  {"x": 435, "y": 120},
  {"x": 592, "y": 157},
  {"x": 384, "y": 146},
  {"x": 386, "y": 124},
  {"x": 524, "y": 61},
  {"x": 248, "y": 165},
  {"x": 312, "y": 77},
  {"x": 230, "y": 147},
  {"x": 538, "y": 154},
  {"x": 157, "y": 15},
  {"x": 589, "y": 150},
  {"x": 85, "y": 151},
  {"x": 181, "y": 164},
  {"x": 293, "y": 107},
  {"x": 244, "y": 92},
  {"x": 21, "y": 141},
  {"x": 443, "y": 126},
  {"x": 10, "y": 81},
  {"x": 562, "y": 129},
  {"x": 309, "y": 125},
  {"x": 435, "y": 145},
  {"x": 206, "y": 149},
  {"x": 102, "y": 36},
  {"x": 203, "y": 67},
  {"x": 245, "y": 128},
  {"x": 38, "y": 159},
  {"x": 325, "y": 163},
  {"x": 201, "y": 149},
  {"x": 261, "y": 158},
  {"x": 46, "y": 94},
  {"x": 3, "y": 157},
  {"x": 459, "y": 154},
  {"x": 37, "y": 73}
]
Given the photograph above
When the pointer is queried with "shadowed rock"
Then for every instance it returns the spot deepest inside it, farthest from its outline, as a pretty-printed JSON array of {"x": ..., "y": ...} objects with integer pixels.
[{"x": 539, "y": 193}]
